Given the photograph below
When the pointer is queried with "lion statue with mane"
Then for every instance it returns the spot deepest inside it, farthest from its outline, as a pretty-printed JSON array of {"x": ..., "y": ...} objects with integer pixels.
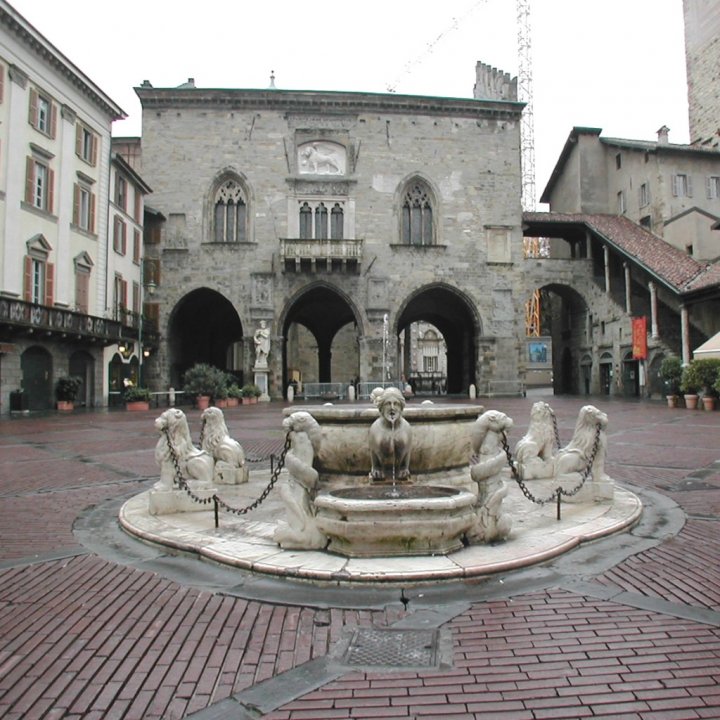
[
  {"x": 194, "y": 464},
  {"x": 230, "y": 467},
  {"x": 534, "y": 451}
]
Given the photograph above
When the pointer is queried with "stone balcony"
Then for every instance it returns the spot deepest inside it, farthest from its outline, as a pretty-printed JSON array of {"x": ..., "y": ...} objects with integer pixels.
[
  {"x": 25, "y": 318},
  {"x": 311, "y": 256}
]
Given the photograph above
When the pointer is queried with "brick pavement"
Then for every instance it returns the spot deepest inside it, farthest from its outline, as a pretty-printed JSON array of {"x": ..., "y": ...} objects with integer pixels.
[{"x": 85, "y": 636}]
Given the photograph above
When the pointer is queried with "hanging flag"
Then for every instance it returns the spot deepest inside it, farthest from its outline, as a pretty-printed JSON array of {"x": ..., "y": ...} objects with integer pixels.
[{"x": 639, "y": 338}]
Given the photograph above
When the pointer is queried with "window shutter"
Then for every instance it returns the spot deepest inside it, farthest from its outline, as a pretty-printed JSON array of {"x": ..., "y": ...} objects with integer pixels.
[
  {"x": 76, "y": 204},
  {"x": 91, "y": 220},
  {"x": 708, "y": 188},
  {"x": 29, "y": 180},
  {"x": 53, "y": 120},
  {"x": 50, "y": 190},
  {"x": 675, "y": 183},
  {"x": 124, "y": 290},
  {"x": 49, "y": 283},
  {"x": 82, "y": 282},
  {"x": 27, "y": 281},
  {"x": 689, "y": 186},
  {"x": 33, "y": 109},
  {"x": 2, "y": 83},
  {"x": 78, "y": 139},
  {"x": 94, "y": 150}
]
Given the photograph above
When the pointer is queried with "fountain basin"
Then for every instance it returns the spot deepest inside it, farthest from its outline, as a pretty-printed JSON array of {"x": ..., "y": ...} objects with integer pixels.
[
  {"x": 440, "y": 450},
  {"x": 371, "y": 522}
]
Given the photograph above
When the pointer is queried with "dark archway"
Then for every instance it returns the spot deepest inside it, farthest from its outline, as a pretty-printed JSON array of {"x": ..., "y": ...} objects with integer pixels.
[
  {"x": 323, "y": 312},
  {"x": 37, "y": 377},
  {"x": 82, "y": 365},
  {"x": 203, "y": 327},
  {"x": 453, "y": 316}
]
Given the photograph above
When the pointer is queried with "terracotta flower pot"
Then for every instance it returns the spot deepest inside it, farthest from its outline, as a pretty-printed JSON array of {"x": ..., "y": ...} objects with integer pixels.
[
  {"x": 708, "y": 402},
  {"x": 137, "y": 405},
  {"x": 691, "y": 402},
  {"x": 203, "y": 402},
  {"x": 65, "y": 405}
]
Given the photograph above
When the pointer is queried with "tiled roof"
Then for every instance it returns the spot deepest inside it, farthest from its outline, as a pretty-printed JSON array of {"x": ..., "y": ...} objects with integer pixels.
[{"x": 669, "y": 264}]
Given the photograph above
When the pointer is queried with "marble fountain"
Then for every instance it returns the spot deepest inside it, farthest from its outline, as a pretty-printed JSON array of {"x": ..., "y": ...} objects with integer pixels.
[{"x": 383, "y": 492}]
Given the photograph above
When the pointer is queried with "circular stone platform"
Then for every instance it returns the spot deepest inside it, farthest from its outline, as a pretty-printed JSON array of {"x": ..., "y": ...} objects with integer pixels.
[{"x": 247, "y": 541}]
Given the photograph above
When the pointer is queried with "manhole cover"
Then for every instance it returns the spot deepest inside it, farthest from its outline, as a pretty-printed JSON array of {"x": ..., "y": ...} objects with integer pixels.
[{"x": 393, "y": 648}]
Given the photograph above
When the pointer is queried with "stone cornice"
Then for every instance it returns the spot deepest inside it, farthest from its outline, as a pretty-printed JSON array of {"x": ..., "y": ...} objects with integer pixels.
[{"x": 324, "y": 102}]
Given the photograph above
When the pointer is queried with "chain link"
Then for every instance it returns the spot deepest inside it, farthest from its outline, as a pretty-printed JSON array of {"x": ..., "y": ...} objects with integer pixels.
[
  {"x": 182, "y": 483},
  {"x": 559, "y": 490}
]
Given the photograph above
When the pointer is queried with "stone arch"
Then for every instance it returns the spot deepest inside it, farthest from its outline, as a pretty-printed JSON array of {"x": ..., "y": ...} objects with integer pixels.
[
  {"x": 203, "y": 326},
  {"x": 418, "y": 210},
  {"x": 228, "y": 208},
  {"x": 82, "y": 364},
  {"x": 456, "y": 318},
  {"x": 331, "y": 324}
]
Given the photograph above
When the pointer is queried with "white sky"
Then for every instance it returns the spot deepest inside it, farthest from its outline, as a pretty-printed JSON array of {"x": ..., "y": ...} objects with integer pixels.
[{"x": 618, "y": 65}]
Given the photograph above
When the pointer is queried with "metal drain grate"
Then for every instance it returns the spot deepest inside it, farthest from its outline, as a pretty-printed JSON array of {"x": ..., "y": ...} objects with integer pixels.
[{"x": 393, "y": 648}]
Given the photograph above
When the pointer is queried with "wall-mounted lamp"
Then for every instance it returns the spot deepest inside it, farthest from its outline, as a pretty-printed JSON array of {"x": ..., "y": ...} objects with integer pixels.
[{"x": 150, "y": 287}]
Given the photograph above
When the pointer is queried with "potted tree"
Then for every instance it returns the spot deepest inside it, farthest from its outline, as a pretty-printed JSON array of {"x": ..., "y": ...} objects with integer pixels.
[
  {"x": 250, "y": 393},
  {"x": 233, "y": 393},
  {"x": 137, "y": 398},
  {"x": 706, "y": 371},
  {"x": 66, "y": 392},
  {"x": 690, "y": 385},
  {"x": 204, "y": 382},
  {"x": 671, "y": 374}
]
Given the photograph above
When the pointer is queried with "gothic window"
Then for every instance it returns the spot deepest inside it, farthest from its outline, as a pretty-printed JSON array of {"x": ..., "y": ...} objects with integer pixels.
[
  {"x": 230, "y": 213},
  {"x": 321, "y": 222},
  {"x": 417, "y": 216},
  {"x": 336, "y": 222},
  {"x": 306, "y": 218}
]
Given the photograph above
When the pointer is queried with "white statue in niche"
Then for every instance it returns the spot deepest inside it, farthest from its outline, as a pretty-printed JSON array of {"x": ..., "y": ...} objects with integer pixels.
[
  {"x": 262, "y": 345},
  {"x": 321, "y": 158}
]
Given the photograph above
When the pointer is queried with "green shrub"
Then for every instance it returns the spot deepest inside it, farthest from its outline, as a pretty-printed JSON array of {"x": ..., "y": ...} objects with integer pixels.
[
  {"x": 671, "y": 373},
  {"x": 205, "y": 379},
  {"x": 137, "y": 394},
  {"x": 67, "y": 388}
]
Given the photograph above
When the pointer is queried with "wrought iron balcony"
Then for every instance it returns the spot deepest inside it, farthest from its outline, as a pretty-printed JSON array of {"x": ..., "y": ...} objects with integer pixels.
[
  {"x": 26, "y": 318},
  {"x": 299, "y": 255}
]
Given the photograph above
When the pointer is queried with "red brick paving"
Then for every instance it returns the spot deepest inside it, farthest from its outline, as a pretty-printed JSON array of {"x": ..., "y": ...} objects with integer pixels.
[{"x": 82, "y": 637}]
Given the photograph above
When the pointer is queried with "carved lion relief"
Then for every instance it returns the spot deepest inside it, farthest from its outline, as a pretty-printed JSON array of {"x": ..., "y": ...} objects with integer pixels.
[{"x": 321, "y": 158}]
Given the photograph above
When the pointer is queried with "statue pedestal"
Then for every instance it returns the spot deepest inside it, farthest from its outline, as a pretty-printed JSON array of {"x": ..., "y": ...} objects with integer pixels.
[{"x": 262, "y": 374}]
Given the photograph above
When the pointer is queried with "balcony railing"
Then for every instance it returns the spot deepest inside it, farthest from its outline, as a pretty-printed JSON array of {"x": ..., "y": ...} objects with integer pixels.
[
  {"x": 27, "y": 317},
  {"x": 310, "y": 255}
]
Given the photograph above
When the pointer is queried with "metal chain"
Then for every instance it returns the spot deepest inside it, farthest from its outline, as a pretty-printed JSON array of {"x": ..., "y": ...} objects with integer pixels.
[
  {"x": 182, "y": 483},
  {"x": 559, "y": 491},
  {"x": 555, "y": 429}
]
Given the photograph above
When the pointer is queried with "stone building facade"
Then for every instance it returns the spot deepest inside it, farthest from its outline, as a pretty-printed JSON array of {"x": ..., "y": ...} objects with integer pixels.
[
  {"x": 321, "y": 213},
  {"x": 702, "y": 58}
]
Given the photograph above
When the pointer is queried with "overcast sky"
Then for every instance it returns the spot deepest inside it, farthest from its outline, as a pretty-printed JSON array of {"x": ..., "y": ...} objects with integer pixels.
[{"x": 618, "y": 65}]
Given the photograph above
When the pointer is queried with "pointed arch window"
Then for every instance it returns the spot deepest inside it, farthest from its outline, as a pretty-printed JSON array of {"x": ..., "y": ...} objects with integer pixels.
[
  {"x": 321, "y": 222},
  {"x": 230, "y": 214},
  {"x": 336, "y": 222},
  {"x": 417, "y": 215}
]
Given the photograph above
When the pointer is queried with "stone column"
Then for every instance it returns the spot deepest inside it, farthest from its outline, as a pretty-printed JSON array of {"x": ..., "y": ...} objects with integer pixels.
[
  {"x": 654, "y": 332},
  {"x": 606, "y": 259},
  {"x": 685, "y": 333},
  {"x": 628, "y": 290}
]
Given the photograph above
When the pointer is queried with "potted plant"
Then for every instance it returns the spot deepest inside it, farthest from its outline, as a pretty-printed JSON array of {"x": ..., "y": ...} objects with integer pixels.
[
  {"x": 671, "y": 374},
  {"x": 66, "y": 392},
  {"x": 707, "y": 371},
  {"x": 233, "y": 394},
  {"x": 137, "y": 398},
  {"x": 690, "y": 385},
  {"x": 250, "y": 393},
  {"x": 204, "y": 382}
]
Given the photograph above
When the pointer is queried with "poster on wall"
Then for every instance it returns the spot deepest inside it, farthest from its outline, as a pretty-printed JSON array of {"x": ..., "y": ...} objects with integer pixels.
[{"x": 639, "y": 338}]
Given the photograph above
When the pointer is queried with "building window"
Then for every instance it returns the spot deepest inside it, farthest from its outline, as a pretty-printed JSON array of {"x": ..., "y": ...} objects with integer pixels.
[
  {"x": 646, "y": 222},
  {"x": 682, "y": 185},
  {"x": 689, "y": 249},
  {"x": 618, "y": 161},
  {"x": 43, "y": 113},
  {"x": 644, "y": 195},
  {"x": 39, "y": 280},
  {"x": 713, "y": 187},
  {"x": 136, "y": 298},
  {"x": 86, "y": 142},
  {"x": 417, "y": 216},
  {"x": 336, "y": 222},
  {"x": 39, "y": 183},
  {"x": 84, "y": 209},
  {"x": 621, "y": 203},
  {"x": 119, "y": 236},
  {"x": 121, "y": 192},
  {"x": 136, "y": 246},
  {"x": 120, "y": 304},
  {"x": 321, "y": 222},
  {"x": 306, "y": 222},
  {"x": 138, "y": 207},
  {"x": 230, "y": 214},
  {"x": 82, "y": 290}
]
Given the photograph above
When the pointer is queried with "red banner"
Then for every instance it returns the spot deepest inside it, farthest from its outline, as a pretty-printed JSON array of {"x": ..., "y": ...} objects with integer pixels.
[{"x": 639, "y": 338}]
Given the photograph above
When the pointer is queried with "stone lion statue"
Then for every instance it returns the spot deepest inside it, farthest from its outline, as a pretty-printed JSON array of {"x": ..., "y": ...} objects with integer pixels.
[
  {"x": 299, "y": 530},
  {"x": 194, "y": 464},
  {"x": 488, "y": 462},
  {"x": 390, "y": 437},
  {"x": 230, "y": 467},
  {"x": 534, "y": 451},
  {"x": 574, "y": 457}
]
